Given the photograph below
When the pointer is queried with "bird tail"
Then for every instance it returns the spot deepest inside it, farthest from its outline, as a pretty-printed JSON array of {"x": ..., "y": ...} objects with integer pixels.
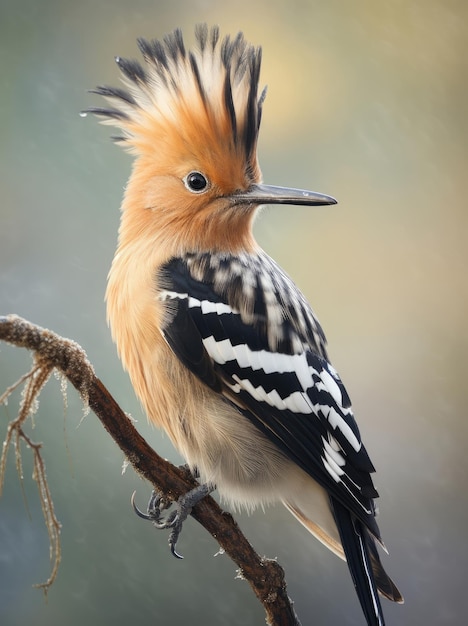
[{"x": 364, "y": 564}]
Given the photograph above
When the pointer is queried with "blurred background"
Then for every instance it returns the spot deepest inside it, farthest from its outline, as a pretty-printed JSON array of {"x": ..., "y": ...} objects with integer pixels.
[{"x": 367, "y": 102}]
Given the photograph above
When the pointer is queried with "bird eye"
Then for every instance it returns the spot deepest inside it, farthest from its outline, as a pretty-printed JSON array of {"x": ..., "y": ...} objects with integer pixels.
[{"x": 196, "y": 182}]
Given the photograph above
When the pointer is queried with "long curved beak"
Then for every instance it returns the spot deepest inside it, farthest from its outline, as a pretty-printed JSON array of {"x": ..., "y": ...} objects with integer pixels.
[{"x": 270, "y": 194}]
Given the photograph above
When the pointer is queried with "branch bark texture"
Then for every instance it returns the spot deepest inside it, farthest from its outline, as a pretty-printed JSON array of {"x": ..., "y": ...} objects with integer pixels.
[{"x": 265, "y": 576}]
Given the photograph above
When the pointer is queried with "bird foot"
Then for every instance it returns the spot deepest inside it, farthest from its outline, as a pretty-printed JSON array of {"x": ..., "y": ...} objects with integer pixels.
[{"x": 174, "y": 520}]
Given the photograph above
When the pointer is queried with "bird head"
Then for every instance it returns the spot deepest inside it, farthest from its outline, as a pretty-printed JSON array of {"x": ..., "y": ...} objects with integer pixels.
[{"x": 192, "y": 118}]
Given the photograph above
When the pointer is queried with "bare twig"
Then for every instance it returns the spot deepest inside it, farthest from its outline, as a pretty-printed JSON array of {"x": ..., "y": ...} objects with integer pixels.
[
  {"x": 265, "y": 576},
  {"x": 35, "y": 380}
]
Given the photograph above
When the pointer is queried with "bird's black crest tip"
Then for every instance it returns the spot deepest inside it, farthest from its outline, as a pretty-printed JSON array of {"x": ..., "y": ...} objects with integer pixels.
[
  {"x": 131, "y": 69},
  {"x": 104, "y": 112},
  {"x": 113, "y": 92}
]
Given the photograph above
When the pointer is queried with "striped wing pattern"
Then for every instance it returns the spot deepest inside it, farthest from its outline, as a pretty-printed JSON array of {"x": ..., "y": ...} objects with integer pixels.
[{"x": 242, "y": 326}]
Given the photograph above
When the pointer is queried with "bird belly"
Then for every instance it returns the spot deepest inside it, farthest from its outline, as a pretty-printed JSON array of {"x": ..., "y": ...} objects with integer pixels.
[
  {"x": 229, "y": 452},
  {"x": 249, "y": 470}
]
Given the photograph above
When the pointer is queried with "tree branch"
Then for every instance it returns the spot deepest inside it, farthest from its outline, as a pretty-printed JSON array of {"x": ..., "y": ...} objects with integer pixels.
[{"x": 265, "y": 576}]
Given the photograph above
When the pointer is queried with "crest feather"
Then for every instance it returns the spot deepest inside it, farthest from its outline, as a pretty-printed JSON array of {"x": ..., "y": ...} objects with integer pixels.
[{"x": 208, "y": 94}]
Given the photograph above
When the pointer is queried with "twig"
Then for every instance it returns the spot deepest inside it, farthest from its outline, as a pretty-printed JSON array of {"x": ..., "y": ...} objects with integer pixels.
[{"x": 265, "y": 576}]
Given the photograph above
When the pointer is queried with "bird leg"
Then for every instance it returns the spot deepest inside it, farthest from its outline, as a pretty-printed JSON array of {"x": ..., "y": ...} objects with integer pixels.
[{"x": 175, "y": 519}]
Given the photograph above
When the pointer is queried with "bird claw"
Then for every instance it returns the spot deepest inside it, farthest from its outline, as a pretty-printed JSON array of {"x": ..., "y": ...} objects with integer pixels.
[
  {"x": 157, "y": 503},
  {"x": 176, "y": 518}
]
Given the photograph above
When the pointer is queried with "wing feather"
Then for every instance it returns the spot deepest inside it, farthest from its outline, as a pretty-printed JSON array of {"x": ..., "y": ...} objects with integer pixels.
[{"x": 292, "y": 394}]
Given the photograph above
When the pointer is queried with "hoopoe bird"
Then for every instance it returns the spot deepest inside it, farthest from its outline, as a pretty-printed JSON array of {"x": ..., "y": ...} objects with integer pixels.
[{"x": 222, "y": 348}]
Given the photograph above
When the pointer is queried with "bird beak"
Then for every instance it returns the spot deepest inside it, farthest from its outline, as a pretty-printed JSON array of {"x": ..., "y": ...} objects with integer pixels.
[{"x": 269, "y": 194}]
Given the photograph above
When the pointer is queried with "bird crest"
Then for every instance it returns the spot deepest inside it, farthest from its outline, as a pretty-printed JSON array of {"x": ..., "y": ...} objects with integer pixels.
[{"x": 192, "y": 101}]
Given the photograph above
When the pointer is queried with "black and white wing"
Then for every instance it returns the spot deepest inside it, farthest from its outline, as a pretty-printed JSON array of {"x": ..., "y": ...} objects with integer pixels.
[{"x": 242, "y": 327}]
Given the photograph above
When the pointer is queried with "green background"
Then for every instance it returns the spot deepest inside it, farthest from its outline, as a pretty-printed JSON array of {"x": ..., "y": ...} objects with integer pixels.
[{"x": 367, "y": 101}]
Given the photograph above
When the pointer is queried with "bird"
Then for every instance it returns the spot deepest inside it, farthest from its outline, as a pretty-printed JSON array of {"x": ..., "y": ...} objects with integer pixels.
[{"x": 222, "y": 348}]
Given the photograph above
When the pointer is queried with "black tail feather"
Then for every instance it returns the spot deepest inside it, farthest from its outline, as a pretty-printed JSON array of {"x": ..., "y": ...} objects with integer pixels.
[
  {"x": 355, "y": 539},
  {"x": 384, "y": 583}
]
